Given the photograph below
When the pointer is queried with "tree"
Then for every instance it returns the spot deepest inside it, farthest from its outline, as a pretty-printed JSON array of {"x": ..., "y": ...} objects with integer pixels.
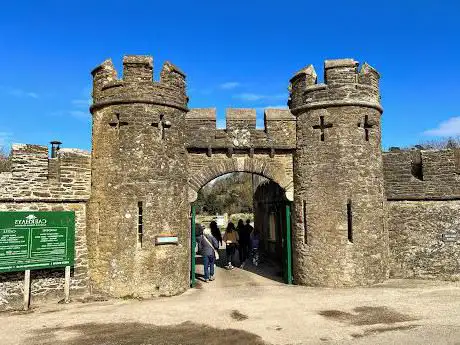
[
  {"x": 230, "y": 193},
  {"x": 5, "y": 161},
  {"x": 436, "y": 144}
]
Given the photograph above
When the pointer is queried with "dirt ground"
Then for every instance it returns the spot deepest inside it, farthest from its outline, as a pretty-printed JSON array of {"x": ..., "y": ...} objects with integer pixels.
[{"x": 241, "y": 307}]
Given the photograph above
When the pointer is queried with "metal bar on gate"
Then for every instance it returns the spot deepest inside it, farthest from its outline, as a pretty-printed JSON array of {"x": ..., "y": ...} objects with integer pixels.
[
  {"x": 288, "y": 245},
  {"x": 192, "y": 249}
]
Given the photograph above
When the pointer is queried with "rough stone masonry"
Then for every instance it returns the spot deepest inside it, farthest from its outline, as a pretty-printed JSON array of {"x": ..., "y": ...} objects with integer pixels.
[{"x": 360, "y": 215}]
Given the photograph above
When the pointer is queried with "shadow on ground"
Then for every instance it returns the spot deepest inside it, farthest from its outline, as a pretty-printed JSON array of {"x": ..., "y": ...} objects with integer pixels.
[
  {"x": 142, "y": 334},
  {"x": 370, "y": 316},
  {"x": 367, "y": 316}
]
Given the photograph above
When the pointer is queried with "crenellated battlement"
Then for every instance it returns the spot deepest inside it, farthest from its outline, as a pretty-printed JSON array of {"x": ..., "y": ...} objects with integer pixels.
[
  {"x": 137, "y": 84},
  {"x": 422, "y": 174},
  {"x": 344, "y": 84},
  {"x": 35, "y": 176},
  {"x": 240, "y": 131}
]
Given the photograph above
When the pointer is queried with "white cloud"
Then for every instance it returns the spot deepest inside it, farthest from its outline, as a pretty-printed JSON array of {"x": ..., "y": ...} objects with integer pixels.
[
  {"x": 78, "y": 107},
  {"x": 229, "y": 85},
  {"x": 258, "y": 97},
  {"x": 249, "y": 96},
  {"x": 450, "y": 127},
  {"x": 84, "y": 115},
  {"x": 279, "y": 106},
  {"x": 22, "y": 94},
  {"x": 81, "y": 102}
]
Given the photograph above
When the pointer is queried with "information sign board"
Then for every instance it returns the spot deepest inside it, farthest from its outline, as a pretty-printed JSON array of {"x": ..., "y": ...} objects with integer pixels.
[{"x": 34, "y": 240}]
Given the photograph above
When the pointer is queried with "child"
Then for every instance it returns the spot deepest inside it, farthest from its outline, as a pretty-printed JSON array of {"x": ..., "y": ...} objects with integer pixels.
[{"x": 255, "y": 239}]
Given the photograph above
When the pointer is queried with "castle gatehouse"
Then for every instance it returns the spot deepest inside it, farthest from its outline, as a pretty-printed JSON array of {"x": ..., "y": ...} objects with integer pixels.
[{"x": 359, "y": 215}]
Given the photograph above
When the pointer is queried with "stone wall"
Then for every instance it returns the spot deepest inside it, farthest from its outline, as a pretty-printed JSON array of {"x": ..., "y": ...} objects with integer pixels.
[
  {"x": 423, "y": 190},
  {"x": 39, "y": 183},
  {"x": 422, "y": 174},
  {"x": 240, "y": 132},
  {"x": 36, "y": 177},
  {"x": 416, "y": 246}
]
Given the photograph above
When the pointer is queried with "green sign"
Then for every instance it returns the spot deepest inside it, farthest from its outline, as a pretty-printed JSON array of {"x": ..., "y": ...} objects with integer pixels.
[{"x": 33, "y": 240}]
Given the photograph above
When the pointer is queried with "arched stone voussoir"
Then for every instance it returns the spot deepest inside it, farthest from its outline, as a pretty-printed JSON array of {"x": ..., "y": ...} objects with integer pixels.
[{"x": 214, "y": 169}]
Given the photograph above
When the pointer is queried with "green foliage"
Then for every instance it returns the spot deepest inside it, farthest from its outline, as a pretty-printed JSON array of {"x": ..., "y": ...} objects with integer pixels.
[
  {"x": 234, "y": 218},
  {"x": 5, "y": 161},
  {"x": 231, "y": 193}
]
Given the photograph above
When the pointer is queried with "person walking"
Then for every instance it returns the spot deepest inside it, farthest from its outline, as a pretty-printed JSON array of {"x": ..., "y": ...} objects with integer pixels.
[
  {"x": 231, "y": 239},
  {"x": 215, "y": 231},
  {"x": 207, "y": 247},
  {"x": 248, "y": 229},
  {"x": 244, "y": 241}
]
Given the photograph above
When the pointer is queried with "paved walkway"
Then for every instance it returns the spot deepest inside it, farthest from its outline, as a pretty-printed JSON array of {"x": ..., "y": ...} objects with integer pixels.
[{"x": 241, "y": 307}]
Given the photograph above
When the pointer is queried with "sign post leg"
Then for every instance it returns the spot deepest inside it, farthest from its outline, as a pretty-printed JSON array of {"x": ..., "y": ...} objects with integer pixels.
[
  {"x": 26, "y": 289},
  {"x": 67, "y": 285}
]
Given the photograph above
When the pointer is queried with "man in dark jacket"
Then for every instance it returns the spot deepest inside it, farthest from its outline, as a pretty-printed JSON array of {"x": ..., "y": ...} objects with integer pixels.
[
  {"x": 207, "y": 245},
  {"x": 244, "y": 234}
]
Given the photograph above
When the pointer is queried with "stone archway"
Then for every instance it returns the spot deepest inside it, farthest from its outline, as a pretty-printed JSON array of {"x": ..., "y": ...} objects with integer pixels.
[{"x": 203, "y": 169}]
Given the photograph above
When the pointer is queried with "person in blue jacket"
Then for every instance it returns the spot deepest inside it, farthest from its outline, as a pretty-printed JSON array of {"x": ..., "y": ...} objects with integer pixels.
[{"x": 207, "y": 246}]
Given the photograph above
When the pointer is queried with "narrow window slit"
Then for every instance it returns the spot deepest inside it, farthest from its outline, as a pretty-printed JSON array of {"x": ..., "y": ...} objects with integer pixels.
[
  {"x": 417, "y": 164},
  {"x": 350, "y": 221},
  {"x": 140, "y": 229},
  {"x": 305, "y": 229}
]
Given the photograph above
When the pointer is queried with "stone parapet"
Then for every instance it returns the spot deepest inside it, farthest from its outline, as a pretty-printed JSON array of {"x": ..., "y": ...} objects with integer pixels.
[
  {"x": 36, "y": 177},
  {"x": 345, "y": 85},
  {"x": 240, "y": 131},
  {"x": 137, "y": 84},
  {"x": 422, "y": 174}
]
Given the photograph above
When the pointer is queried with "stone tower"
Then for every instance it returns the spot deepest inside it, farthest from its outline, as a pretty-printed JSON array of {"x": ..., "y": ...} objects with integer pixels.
[
  {"x": 139, "y": 180},
  {"x": 339, "y": 235}
]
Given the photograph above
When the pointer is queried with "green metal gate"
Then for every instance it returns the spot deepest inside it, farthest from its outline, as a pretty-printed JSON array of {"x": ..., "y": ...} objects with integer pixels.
[
  {"x": 287, "y": 255},
  {"x": 192, "y": 248}
]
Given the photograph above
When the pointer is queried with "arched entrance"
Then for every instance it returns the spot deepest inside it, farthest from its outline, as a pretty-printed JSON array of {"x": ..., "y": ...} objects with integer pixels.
[{"x": 271, "y": 219}]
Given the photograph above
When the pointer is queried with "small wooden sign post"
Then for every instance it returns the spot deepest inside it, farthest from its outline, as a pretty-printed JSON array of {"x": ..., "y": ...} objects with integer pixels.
[
  {"x": 67, "y": 285},
  {"x": 26, "y": 289}
]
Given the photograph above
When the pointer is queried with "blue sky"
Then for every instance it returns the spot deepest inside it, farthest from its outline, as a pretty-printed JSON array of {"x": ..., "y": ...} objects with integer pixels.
[{"x": 235, "y": 54}]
